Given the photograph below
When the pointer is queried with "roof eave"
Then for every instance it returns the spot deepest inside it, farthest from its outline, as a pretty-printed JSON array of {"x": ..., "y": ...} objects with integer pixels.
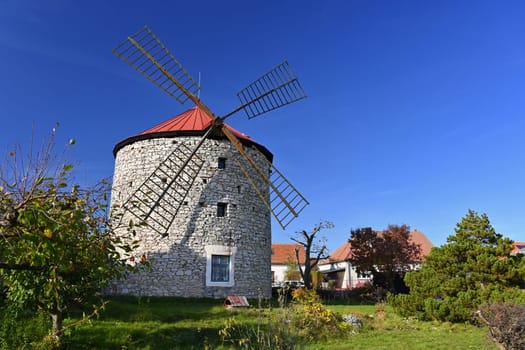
[{"x": 179, "y": 133}]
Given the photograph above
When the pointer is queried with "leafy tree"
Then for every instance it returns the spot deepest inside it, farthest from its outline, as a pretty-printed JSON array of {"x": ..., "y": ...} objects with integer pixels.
[
  {"x": 386, "y": 255},
  {"x": 57, "y": 247},
  {"x": 473, "y": 267},
  {"x": 315, "y": 250}
]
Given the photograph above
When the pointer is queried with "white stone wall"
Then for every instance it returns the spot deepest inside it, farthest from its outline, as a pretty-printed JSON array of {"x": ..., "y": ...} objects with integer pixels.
[{"x": 179, "y": 259}]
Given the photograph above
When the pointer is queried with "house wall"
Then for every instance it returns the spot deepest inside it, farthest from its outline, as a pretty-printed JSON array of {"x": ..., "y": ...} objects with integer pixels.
[
  {"x": 179, "y": 261},
  {"x": 350, "y": 277},
  {"x": 279, "y": 272}
]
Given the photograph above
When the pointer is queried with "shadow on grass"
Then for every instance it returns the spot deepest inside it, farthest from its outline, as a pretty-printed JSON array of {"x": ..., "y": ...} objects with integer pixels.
[
  {"x": 162, "y": 309},
  {"x": 155, "y": 323},
  {"x": 141, "y": 336}
]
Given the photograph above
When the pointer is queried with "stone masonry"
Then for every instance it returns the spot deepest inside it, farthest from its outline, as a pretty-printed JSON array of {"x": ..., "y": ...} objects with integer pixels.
[{"x": 180, "y": 260}]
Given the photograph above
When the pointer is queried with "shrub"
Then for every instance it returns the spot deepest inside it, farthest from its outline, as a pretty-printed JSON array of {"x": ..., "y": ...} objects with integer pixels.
[
  {"x": 331, "y": 284},
  {"x": 20, "y": 329},
  {"x": 506, "y": 323},
  {"x": 304, "y": 320},
  {"x": 317, "y": 279},
  {"x": 313, "y": 321}
]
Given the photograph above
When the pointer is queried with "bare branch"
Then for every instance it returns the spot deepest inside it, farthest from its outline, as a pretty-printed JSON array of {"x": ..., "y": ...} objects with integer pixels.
[
  {"x": 311, "y": 245},
  {"x": 298, "y": 241}
]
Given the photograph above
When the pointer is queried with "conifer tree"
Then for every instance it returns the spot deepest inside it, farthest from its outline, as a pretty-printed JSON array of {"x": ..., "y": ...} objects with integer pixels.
[{"x": 472, "y": 268}]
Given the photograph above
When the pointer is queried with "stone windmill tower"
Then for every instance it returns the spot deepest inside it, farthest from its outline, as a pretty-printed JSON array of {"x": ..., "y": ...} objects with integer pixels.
[{"x": 202, "y": 192}]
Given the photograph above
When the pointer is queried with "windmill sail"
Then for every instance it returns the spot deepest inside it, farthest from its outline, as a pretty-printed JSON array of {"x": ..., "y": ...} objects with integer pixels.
[
  {"x": 147, "y": 54},
  {"x": 273, "y": 90},
  {"x": 158, "y": 199},
  {"x": 285, "y": 201}
]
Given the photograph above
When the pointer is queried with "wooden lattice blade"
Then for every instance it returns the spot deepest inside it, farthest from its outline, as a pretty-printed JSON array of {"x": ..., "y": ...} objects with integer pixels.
[
  {"x": 158, "y": 199},
  {"x": 147, "y": 54},
  {"x": 285, "y": 201},
  {"x": 273, "y": 90}
]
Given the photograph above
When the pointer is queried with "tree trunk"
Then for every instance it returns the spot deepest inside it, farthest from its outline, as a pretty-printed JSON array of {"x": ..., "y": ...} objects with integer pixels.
[
  {"x": 57, "y": 319},
  {"x": 307, "y": 279}
]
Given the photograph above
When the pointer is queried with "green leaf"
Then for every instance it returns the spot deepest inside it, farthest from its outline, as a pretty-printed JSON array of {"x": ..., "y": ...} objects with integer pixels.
[{"x": 67, "y": 167}]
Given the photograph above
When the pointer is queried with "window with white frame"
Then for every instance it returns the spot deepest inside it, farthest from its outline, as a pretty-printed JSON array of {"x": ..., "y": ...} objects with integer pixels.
[
  {"x": 220, "y": 263},
  {"x": 220, "y": 268}
]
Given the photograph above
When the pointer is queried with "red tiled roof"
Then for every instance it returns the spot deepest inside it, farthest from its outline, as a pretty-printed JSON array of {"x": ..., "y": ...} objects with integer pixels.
[
  {"x": 518, "y": 246},
  {"x": 193, "y": 122},
  {"x": 344, "y": 251},
  {"x": 420, "y": 238},
  {"x": 194, "y": 119},
  {"x": 283, "y": 253}
]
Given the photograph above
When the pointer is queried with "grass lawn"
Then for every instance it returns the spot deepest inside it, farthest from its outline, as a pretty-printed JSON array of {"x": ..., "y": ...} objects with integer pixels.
[
  {"x": 180, "y": 323},
  {"x": 393, "y": 332}
]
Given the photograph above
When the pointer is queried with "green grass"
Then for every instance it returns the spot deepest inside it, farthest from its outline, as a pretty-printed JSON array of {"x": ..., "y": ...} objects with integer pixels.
[
  {"x": 179, "y": 323},
  {"x": 152, "y": 323}
]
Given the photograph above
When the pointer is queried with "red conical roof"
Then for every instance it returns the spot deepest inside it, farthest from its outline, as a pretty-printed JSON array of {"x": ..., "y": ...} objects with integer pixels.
[
  {"x": 193, "y": 122},
  {"x": 194, "y": 119}
]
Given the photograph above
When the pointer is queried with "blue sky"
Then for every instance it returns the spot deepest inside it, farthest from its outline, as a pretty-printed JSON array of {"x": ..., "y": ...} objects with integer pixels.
[{"x": 414, "y": 111}]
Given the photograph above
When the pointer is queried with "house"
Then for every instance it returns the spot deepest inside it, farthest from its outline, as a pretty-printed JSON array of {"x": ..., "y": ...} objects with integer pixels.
[
  {"x": 519, "y": 248},
  {"x": 283, "y": 257},
  {"x": 338, "y": 267}
]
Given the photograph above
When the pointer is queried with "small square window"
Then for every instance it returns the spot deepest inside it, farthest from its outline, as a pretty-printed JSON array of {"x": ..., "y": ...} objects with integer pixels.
[
  {"x": 221, "y": 164},
  {"x": 221, "y": 209}
]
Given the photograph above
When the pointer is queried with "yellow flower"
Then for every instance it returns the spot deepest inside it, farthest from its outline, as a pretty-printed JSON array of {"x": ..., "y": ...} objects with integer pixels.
[{"x": 48, "y": 233}]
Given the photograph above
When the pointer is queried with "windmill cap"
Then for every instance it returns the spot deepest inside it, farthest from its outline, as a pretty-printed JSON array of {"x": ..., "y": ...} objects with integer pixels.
[{"x": 193, "y": 122}]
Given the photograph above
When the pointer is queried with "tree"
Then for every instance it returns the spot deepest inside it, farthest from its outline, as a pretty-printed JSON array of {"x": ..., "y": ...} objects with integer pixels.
[
  {"x": 57, "y": 248},
  {"x": 385, "y": 255},
  {"x": 315, "y": 249},
  {"x": 473, "y": 267}
]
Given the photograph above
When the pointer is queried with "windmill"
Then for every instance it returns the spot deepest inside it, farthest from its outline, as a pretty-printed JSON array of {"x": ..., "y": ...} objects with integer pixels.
[{"x": 160, "y": 196}]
